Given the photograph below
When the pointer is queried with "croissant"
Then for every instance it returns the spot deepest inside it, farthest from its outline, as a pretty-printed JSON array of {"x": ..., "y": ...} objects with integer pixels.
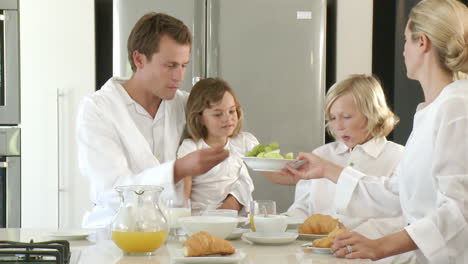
[
  {"x": 336, "y": 231},
  {"x": 318, "y": 224},
  {"x": 327, "y": 242},
  {"x": 324, "y": 242},
  {"x": 202, "y": 243}
]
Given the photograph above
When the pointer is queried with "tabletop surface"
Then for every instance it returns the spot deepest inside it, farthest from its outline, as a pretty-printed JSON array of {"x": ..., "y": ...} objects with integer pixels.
[{"x": 103, "y": 250}]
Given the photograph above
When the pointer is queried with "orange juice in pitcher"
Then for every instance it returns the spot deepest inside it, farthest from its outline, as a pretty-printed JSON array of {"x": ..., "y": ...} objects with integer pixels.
[{"x": 139, "y": 242}]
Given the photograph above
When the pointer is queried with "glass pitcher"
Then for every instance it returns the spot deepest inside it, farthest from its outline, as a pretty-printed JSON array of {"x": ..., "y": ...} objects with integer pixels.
[{"x": 139, "y": 228}]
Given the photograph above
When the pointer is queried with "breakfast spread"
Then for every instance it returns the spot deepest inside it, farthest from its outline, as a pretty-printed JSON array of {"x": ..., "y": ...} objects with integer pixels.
[
  {"x": 202, "y": 244},
  {"x": 318, "y": 224}
]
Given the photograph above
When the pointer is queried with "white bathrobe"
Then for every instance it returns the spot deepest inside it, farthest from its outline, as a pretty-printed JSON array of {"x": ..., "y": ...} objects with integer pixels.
[{"x": 113, "y": 152}]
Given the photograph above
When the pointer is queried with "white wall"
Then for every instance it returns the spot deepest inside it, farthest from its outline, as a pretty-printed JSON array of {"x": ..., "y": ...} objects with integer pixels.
[
  {"x": 354, "y": 37},
  {"x": 57, "y": 55}
]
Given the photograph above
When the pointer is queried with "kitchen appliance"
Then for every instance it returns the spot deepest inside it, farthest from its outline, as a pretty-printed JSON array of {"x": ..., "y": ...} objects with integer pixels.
[
  {"x": 10, "y": 134},
  {"x": 48, "y": 252},
  {"x": 270, "y": 51}
]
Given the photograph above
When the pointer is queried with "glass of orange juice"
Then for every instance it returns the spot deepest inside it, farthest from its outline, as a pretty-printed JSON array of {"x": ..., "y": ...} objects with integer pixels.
[
  {"x": 139, "y": 228},
  {"x": 260, "y": 207}
]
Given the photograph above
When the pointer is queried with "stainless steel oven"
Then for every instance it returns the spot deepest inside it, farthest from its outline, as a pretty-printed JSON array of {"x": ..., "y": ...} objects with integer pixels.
[
  {"x": 10, "y": 177},
  {"x": 9, "y": 63},
  {"x": 10, "y": 133}
]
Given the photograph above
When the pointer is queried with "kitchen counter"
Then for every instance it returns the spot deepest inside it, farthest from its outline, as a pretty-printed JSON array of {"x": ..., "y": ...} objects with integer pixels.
[{"x": 105, "y": 251}]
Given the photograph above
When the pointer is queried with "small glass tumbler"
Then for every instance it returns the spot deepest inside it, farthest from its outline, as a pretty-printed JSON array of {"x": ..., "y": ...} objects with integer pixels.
[
  {"x": 175, "y": 209},
  {"x": 261, "y": 207}
]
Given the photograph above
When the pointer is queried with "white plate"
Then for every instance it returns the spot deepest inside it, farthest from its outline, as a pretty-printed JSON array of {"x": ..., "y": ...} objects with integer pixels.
[
  {"x": 267, "y": 164},
  {"x": 236, "y": 257},
  {"x": 308, "y": 247},
  {"x": 270, "y": 238},
  {"x": 70, "y": 235},
  {"x": 310, "y": 237},
  {"x": 237, "y": 233}
]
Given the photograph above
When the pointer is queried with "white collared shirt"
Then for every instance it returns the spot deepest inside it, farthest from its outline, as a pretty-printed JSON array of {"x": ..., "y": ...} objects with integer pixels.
[
  {"x": 117, "y": 144},
  {"x": 430, "y": 183},
  {"x": 229, "y": 177},
  {"x": 376, "y": 157},
  {"x": 320, "y": 196},
  {"x": 151, "y": 128}
]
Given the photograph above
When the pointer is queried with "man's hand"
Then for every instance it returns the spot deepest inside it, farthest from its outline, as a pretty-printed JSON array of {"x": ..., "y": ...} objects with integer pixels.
[
  {"x": 231, "y": 203},
  {"x": 198, "y": 162}
]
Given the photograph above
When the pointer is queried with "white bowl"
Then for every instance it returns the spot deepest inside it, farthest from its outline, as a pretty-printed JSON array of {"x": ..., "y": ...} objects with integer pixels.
[
  {"x": 218, "y": 226},
  {"x": 220, "y": 212},
  {"x": 267, "y": 164}
]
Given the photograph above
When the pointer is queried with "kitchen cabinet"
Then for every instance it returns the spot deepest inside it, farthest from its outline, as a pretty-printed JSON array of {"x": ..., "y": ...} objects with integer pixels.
[{"x": 57, "y": 70}]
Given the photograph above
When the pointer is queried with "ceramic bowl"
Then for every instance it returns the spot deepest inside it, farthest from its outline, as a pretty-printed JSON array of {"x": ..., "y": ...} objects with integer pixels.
[
  {"x": 218, "y": 226},
  {"x": 267, "y": 164},
  {"x": 220, "y": 212}
]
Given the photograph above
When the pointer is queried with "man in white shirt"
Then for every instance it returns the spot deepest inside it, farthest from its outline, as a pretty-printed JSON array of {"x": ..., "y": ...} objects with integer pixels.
[{"x": 128, "y": 132}]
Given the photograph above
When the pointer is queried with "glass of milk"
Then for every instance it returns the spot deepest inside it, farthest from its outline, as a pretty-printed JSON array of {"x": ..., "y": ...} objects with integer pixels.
[{"x": 175, "y": 209}]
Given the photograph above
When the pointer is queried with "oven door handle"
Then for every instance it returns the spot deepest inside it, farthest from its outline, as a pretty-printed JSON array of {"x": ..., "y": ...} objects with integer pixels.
[{"x": 4, "y": 164}]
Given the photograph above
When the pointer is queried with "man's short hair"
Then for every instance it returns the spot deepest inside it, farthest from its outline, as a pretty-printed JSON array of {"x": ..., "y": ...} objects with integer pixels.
[{"x": 147, "y": 33}]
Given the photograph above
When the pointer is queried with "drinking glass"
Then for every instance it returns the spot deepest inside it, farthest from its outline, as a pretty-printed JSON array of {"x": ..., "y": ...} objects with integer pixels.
[
  {"x": 261, "y": 207},
  {"x": 174, "y": 209}
]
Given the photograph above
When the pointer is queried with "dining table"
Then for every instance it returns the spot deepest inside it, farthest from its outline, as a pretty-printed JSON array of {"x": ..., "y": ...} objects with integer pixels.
[{"x": 94, "y": 247}]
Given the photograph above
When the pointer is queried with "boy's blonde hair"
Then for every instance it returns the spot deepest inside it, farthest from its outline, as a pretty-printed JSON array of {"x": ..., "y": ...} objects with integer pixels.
[
  {"x": 204, "y": 94},
  {"x": 369, "y": 98}
]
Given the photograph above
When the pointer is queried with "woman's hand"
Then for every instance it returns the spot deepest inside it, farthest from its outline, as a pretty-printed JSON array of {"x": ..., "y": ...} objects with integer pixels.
[
  {"x": 352, "y": 245},
  {"x": 279, "y": 178},
  {"x": 314, "y": 168}
]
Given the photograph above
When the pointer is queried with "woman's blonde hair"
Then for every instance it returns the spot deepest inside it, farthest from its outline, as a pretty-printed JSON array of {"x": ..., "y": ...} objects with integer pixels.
[
  {"x": 445, "y": 23},
  {"x": 205, "y": 93},
  {"x": 369, "y": 98}
]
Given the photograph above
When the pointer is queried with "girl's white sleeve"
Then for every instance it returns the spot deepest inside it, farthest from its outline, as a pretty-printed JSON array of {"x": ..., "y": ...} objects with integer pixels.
[
  {"x": 187, "y": 146},
  {"x": 250, "y": 141},
  {"x": 244, "y": 188}
]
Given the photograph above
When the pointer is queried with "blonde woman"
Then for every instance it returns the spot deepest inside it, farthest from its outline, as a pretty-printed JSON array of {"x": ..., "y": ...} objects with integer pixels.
[
  {"x": 214, "y": 119},
  {"x": 431, "y": 182}
]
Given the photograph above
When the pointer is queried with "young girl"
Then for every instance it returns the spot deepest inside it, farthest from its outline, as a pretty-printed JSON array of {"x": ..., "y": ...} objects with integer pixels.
[{"x": 214, "y": 119}]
